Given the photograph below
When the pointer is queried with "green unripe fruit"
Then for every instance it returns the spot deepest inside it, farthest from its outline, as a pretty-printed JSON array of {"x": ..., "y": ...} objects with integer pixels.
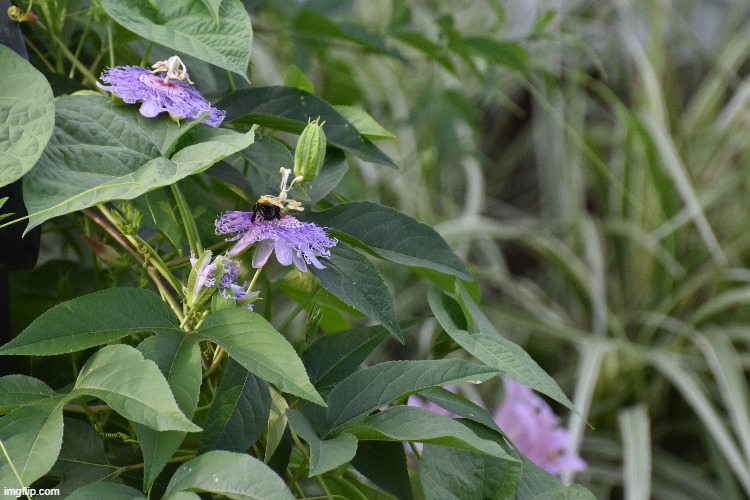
[{"x": 310, "y": 152}]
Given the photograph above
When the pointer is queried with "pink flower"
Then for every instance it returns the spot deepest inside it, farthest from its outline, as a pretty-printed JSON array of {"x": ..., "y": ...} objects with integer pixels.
[{"x": 535, "y": 430}]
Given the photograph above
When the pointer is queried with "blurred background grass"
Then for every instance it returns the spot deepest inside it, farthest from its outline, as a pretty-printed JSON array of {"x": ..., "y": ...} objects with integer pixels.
[{"x": 590, "y": 160}]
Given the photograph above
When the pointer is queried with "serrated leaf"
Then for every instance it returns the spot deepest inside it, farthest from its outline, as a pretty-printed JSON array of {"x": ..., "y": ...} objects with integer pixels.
[
  {"x": 239, "y": 412},
  {"x": 233, "y": 475},
  {"x": 178, "y": 358},
  {"x": 408, "y": 423},
  {"x": 82, "y": 458},
  {"x": 351, "y": 277},
  {"x": 489, "y": 347},
  {"x": 133, "y": 386},
  {"x": 19, "y": 390},
  {"x": 187, "y": 27},
  {"x": 364, "y": 123},
  {"x": 27, "y": 115},
  {"x": 92, "y": 320},
  {"x": 255, "y": 344},
  {"x": 373, "y": 387},
  {"x": 454, "y": 474},
  {"x": 103, "y": 151},
  {"x": 278, "y": 437},
  {"x": 392, "y": 236},
  {"x": 110, "y": 491},
  {"x": 32, "y": 436},
  {"x": 335, "y": 356},
  {"x": 325, "y": 454},
  {"x": 288, "y": 109}
]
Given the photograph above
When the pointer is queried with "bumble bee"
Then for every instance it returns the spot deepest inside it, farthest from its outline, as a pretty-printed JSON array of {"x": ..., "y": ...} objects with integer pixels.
[{"x": 266, "y": 209}]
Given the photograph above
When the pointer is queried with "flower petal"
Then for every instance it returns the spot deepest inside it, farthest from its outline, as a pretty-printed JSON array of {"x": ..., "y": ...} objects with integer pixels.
[{"x": 262, "y": 251}]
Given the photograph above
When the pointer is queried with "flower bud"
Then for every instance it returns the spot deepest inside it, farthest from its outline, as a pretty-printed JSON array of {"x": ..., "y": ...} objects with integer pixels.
[
  {"x": 202, "y": 282},
  {"x": 311, "y": 151},
  {"x": 127, "y": 217}
]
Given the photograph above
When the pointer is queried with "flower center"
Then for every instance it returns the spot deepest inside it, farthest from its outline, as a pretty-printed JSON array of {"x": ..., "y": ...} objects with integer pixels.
[{"x": 157, "y": 83}]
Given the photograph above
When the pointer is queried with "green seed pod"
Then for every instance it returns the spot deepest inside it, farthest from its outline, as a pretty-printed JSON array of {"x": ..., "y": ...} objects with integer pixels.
[{"x": 311, "y": 151}]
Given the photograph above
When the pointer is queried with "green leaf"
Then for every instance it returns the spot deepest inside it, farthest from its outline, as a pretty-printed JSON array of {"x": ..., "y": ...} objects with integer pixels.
[
  {"x": 295, "y": 78},
  {"x": 179, "y": 360},
  {"x": 213, "y": 7},
  {"x": 110, "y": 491},
  {"x": 314, "y": 25},
  {"x": 351, "y": 277},
  {"x": 460, "y": 406},
  {"x": 288, "y": 109},
  {"x": 420, "y": 42},
  {"x": 28, "y": 115},
  {"x": 364, "y": 123},
  {"x": 93, "y": 320},
  {"x": 134, "y": 387},
  {"x": 335, "y": 356},
  {"x": 392, "y": 236},
  {"x": 103, "y": 151},
  {"x": 538, "y": 484},
  {"x": 19, "y": 390},
  {"x": 185, "y": 27},
  {"x": 32, "y": 436},
  {"x": 454, "y": 474},
  {"x": 82, "y": 458},
  {"x": 233, "y": 475},
  {"x": 255, "y": 344},
  {"x": 489, "y": 347},
  {"x": 160, "y": 212},
  {"x": 325, "y": 454},
  {"x": 239, "y": 412},
  {"x": 509, "y": 54},
  {"x": 384, "y": 463},
  {"x": 408, "y": 423},
  {"x": 371, "y": 388}
]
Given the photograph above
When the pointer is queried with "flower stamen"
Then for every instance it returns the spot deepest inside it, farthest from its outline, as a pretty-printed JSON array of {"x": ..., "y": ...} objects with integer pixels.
[{"x": 174, "y": 68}]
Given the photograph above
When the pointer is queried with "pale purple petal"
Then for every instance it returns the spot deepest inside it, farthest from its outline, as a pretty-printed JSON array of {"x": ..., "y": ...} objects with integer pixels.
[
  {"x": 294, "y": 241},
  {"x": 535, "y": 429},
  {"x": 262, "y": 253},
  {"x": 284, "y": 252},
  {"x": 135, "y": 83},
  {"x": 299, "y": 261}
]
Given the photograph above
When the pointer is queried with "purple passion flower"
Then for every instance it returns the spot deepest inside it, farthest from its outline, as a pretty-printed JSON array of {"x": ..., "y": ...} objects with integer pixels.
[
  {"x": 535, "y": 430},
  {"x": 135, "y": 83},
  {"x": 293, "y": 241},
  {"x": 204, "y": 281}
]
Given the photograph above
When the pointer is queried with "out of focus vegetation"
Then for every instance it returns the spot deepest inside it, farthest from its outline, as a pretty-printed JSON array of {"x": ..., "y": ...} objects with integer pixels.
[{"x": 590, "y": 160}]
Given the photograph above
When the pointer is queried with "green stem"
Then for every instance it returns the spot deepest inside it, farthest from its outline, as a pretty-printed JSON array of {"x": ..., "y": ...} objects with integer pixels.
[
  {"x": 74, "y": 60},
  {"x": 191, "y": 230},
  {"x": 79, "y": 47},
  {"x": 230, "y": 79},
  {"x": 10, "y": 462},
  {"x": 131, "y": 244},
  {"x": 147, "y": 54},
  {"x": 157, "y": 263},
  {"x": 111, "y": 45}
]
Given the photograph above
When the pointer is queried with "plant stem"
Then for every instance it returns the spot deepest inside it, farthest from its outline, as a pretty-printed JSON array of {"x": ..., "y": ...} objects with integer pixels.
[
  {"x": 218, "y": 356},
  {"x": 191, "y": 230}
]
